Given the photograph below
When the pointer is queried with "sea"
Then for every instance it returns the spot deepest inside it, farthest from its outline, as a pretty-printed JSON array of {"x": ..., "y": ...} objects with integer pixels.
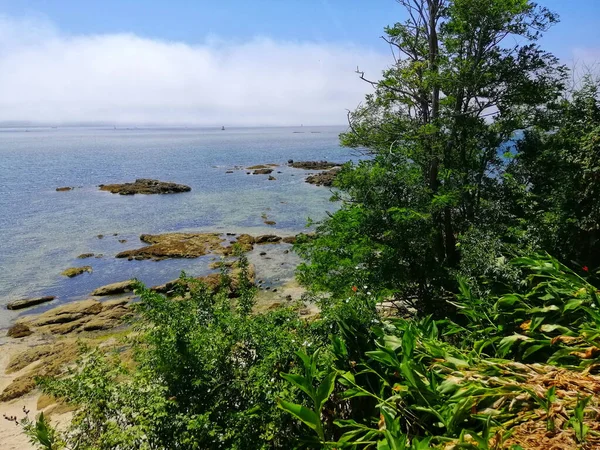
[{"x": 42, "y": 231}]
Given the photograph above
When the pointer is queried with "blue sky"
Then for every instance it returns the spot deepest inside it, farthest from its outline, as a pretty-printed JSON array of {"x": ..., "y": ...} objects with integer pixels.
[
  {"x": 358, "y": 21},
  {"x": 141, "y": 42}
]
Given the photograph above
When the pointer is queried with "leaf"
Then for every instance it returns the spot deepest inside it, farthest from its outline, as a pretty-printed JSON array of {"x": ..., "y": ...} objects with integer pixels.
[
  {"x": 300, "y": 382},
  {"x": 532, "y": 349},
  {"x": 325, "y": 389},
  {"x": 304, "y": 414}
]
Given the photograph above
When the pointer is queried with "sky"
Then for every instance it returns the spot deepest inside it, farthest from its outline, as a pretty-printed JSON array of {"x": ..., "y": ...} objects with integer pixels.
[{"x": 208, "y": 63}]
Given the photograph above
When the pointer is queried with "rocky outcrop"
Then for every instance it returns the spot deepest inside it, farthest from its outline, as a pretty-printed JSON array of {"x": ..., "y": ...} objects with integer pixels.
[
  {"x": 176, "y": 245},
  {"x": 313, "y": 165},
  {"x": 28, "y": 302},
  {"x": 46, "y": 360},
  {"x": 145, "y": 186},
  {"x": 64, "y": 189},
  {"x": 19, "y": 330},
  {"x": 262, "y": 166},
  {"x": 325, "y": 178},
  {"x": 262, "y": 171},
  {"x": 115, "y": 288},
  {"x": 85, "y": 315},
  {"x": 74, "y": 271},
  {"x": 86, "y": 255}
]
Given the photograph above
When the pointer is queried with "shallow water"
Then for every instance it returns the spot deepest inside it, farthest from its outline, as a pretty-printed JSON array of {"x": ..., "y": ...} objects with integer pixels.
[{"x": 43, "y": 231}]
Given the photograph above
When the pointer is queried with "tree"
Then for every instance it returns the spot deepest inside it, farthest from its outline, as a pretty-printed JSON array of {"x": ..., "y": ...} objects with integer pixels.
[
  {"x": 467, "y": 74},
  {"x": 559, "y": 177}
]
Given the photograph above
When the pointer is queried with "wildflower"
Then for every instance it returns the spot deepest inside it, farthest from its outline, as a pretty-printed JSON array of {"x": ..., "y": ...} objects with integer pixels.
[
  {"x": 354, "y": 288},
  {"x": 585, "y": 269}
]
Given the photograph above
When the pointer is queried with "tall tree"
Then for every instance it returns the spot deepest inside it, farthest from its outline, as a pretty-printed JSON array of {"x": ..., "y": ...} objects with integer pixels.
[{"x": 467, "y": 74}]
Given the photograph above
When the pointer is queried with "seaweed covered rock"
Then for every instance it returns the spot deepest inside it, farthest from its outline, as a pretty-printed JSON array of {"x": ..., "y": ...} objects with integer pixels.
[
  {"x": 145, "y": 186},
  {"x": 175, "y": 245}
]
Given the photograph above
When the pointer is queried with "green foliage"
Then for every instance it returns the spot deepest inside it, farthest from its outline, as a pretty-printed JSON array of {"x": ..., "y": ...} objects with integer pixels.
[
  {"x": 317, "y": 394},
  {"x": 555, "y": 319}
]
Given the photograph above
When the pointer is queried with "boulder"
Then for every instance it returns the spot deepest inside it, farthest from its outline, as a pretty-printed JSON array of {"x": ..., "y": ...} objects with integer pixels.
[
  {"x": 267, "y": 239},
  {"x": 19, "y": 330},
  {"x": 74, "y": 271},
  {"x": 313, "y": 165},
  {"x": 145, "y": 186},
  {"x": 64, "y": 189},
  {"x": 28, "y": 302},
  {"x": 115, "y": 288},
  {"x": 270, "y": 222},
  {"x": 325, "y": 178},
  {"x": 289, "y": 239},
  {"x": 85, "y": 256},
  {"x": 262, "y": 171}
]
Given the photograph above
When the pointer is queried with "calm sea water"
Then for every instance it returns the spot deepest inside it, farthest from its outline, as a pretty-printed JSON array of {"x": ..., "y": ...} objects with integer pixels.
[{"x": 43, "y": 231}]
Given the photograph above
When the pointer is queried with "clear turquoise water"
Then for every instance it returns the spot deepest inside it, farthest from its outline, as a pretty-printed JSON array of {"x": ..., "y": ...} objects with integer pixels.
[{"x": 42, "y": 231}]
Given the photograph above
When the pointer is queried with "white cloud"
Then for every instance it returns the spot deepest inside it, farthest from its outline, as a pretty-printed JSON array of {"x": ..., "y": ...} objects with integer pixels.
[{"x": 46, "y": 76}]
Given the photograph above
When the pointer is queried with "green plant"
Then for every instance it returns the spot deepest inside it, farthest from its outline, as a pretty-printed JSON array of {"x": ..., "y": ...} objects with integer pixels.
[{"x": 319, "y": 394}]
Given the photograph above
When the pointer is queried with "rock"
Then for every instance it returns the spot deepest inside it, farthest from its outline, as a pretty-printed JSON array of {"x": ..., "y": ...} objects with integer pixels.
[
  {"x": 262, "y": 253},
  {"x": 19, "y": 330},
  {"x": 18, "y": 388},
  {"x": 85, "y": 255},
  {"x": 51, "y": 359},
  {"x": 86, "y": 315},
  {"x": 122, "y": 241},
  {"x": 289, "y": 239},
  {"x": 262, "y": 166},
  {"x": 267, "y": 239},
  {"x": 99, "y": 255},
  {"x": 245, "y": 241},
  {"x": 285, "y": 252},
  {"x": 64, "y": 189},
  {"x": 68, "y": 313},
  {"x": 74, "y": 271},
  {"x": 145, "y": 186},
  {"x": 290, "y": 161},
  {"x": 28, "y": 302},
  {"x": 115, "y": 288},
  {"x": 313, "y": 165},
  {"x": 229, "y": 171},
  {"x": 100, "y": 236},
  {"x": 270, "y": 222},
  {"x": 325, "y": 178},
  {"x": 262, "y": 171},
  {"x": 166, "y": 287},
  {"x": 44, "y": 401},
  {"x": 176, "y": 245},
  {"x": 272, "y": 178}
]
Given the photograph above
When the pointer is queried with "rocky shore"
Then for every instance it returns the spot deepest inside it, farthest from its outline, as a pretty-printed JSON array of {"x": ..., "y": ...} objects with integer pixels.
[{"x": 48, "y": 343}]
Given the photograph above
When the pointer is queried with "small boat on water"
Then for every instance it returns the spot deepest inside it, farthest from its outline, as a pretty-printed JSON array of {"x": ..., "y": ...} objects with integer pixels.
[{"x": 223, "y": 128}]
